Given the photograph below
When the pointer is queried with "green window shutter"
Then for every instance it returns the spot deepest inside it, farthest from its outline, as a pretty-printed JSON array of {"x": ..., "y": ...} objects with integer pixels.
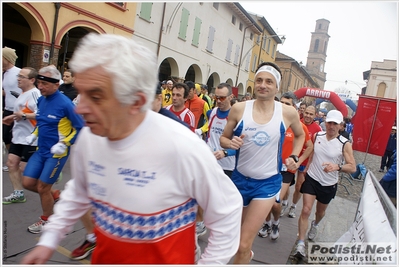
[
  {"x": 211, "y": 38},
  {"x": 184, "y": 24},
  {"x": 197, "y": 29},
  {"x": 229, "y": 50},
  {"x": 247, "y": 62},
  {"x": 145, "y": 11},
  {"x": 254, "y": 63},
  {"x": 236, "y": 55}
]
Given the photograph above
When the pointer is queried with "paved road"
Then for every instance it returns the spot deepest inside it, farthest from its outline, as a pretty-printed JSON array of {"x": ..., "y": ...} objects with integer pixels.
[{"x": 17, "y": 241}]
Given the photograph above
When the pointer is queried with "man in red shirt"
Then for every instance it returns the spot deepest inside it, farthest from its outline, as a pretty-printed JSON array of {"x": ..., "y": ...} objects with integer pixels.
[
  {"x": 179, "y": 97},
  {"x": 308, "y": 120}
]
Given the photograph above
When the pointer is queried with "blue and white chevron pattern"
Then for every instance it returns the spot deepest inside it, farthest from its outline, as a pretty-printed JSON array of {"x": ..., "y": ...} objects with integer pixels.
[{"x": 143, "y": 227}]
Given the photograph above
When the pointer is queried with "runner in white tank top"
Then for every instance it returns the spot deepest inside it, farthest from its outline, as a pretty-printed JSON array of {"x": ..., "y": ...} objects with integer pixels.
[
  {"x": 256, "y": 130},
  {"x": 332, "y": 154},
  {"x": 264, "y": 140}
]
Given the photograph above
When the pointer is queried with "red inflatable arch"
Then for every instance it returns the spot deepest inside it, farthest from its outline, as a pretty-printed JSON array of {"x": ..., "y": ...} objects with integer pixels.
[{"x": 329, "y": 95}]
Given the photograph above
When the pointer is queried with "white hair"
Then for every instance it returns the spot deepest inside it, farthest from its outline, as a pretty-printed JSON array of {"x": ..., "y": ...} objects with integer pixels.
[
  {"x": 54, "y": 73},
  {"x": 132, "y": 66}
]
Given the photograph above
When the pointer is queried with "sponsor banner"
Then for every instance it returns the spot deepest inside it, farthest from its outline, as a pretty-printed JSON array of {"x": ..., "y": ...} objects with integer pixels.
[
  {"x": 369, "y": 233},
  {"x": 350, "y": 254},
  {"x": 372, "y": 124}
]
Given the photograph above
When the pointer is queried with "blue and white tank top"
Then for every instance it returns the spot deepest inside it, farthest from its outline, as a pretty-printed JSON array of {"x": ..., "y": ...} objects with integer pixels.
[
  {"x": 260, "y": 155},
  {"x": 217, "y": 122}
]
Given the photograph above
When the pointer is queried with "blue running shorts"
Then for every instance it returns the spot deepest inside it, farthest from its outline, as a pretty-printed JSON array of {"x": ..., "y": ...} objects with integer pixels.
[
  {"x": 255, "y": 189},
  {"x": 301, "y": 168},
  {"x": 46, "y": 170}
]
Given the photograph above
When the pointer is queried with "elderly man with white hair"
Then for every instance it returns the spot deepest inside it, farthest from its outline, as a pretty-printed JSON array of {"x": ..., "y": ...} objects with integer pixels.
[{"x": 143, "y": 207}]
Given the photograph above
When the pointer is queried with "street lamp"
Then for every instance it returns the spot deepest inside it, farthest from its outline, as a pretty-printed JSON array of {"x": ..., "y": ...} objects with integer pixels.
[
  {"x": 264, "y": 38},
  {"x": 346, "y": 82},
  {"x": 361, "y": 89}
]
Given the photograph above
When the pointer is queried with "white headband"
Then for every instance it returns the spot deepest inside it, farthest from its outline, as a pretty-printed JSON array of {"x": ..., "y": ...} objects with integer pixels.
[{"x": 273, "y": 72}]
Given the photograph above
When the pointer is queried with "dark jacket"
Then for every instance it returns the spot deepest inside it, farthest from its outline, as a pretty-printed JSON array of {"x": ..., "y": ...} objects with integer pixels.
[
  {"x": 388, "y": 182},
  {"x": 391, "y": 146},
  {"x": 68, "y": 90}
]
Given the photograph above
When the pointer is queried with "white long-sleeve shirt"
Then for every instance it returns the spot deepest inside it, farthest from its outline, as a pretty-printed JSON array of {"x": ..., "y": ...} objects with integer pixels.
[{"x": 144, "y": 190}]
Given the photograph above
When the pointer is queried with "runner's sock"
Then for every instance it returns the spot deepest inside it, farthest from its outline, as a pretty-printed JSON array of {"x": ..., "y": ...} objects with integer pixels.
[
  {"x": 19, "y": 193},
  {"x": 91, "y": 238}
]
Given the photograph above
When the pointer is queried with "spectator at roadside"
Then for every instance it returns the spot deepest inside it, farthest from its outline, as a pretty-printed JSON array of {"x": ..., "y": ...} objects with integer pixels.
[
  {"x": 388, "y": 182},
  {"x": 386, "y": 161}
]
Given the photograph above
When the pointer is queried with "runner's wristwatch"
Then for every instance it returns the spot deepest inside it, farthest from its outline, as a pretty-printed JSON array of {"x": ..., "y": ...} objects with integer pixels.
[
  {"x": 295, "y": 158},
  {"x": 225, "y": 153}
]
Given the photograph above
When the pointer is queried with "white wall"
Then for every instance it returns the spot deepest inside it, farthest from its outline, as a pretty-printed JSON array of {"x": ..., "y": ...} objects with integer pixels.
[{"x": 182, "y": 51}]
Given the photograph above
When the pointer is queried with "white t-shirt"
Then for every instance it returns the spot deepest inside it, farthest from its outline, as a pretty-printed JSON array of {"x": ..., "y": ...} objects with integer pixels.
[
  {"x": 27, "y": 103},
  {"x": 10, "y": 83},
  {"x": 326, "y": 151},
  {"x": 143, "y": 184}
]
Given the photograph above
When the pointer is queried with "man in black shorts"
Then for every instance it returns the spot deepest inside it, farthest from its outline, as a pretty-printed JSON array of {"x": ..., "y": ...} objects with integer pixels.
[
  {"x": 23, "y": 119},
  {"x": 332, "y": 153}
]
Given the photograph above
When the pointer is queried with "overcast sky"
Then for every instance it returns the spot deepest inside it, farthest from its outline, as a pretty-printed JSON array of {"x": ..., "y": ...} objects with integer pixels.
[{"x": 360, "y": 32}]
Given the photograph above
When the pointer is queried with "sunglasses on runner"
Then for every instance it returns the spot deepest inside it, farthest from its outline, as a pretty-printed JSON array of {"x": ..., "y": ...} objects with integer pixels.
[{"x": 221, "y": 98}]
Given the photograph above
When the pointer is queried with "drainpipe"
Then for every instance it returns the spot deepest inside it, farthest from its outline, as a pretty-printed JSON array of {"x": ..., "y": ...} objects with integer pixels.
[
  {"x": 57, "y": 10},
  {"x": 240, "y": 59},
  {"x": 161, "y": 29}
]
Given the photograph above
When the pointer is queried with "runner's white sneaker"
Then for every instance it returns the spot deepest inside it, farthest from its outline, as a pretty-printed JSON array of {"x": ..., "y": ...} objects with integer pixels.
[
  {"x": 300, "y": 250},
  {"x": 291, "y": 212},
  {"x": 313, "y": 231},
  {"x": 275, "y": 232},
  {"x": 37, "y": 227}
]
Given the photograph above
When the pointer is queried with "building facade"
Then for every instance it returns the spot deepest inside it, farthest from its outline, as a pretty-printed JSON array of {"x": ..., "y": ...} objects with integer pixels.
[
  {"x": 44, "y": 33},
  {"x": 295, "y": 75},
  {"x": 198, "y": 41},
  {"x": 264, "y": 49},
  {"x": 382, "y": 79},
  {"x": 206, "y": 42}
]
